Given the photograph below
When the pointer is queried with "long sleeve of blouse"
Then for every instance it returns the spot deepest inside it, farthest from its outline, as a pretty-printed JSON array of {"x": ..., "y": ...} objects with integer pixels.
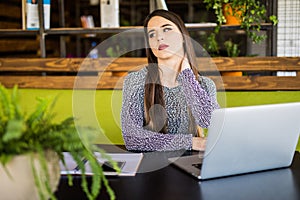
[
  {"x": 201, "y": 96},
  {"x": 136, "y": 137}
]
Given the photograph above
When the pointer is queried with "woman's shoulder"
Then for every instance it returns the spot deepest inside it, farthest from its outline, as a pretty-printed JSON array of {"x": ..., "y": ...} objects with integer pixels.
[{"x": 136, "y": 77}]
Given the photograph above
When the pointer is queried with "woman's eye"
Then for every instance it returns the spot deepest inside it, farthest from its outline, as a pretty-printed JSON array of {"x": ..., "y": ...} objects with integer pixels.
[
  {"x": 151, "y": 35},
  {"x": 167, "y": 29}
]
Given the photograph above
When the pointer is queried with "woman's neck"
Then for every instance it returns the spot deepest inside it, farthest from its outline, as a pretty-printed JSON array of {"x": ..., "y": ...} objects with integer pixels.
[{"x": 169, "y": 69}]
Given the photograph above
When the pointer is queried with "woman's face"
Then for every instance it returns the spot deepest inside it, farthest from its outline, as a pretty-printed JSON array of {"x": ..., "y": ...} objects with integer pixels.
[{"x": 165, "y": 39}]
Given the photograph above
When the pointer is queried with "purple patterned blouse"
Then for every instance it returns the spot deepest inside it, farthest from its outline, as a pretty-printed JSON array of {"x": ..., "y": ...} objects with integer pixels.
[{"x": 200, "y": 96}]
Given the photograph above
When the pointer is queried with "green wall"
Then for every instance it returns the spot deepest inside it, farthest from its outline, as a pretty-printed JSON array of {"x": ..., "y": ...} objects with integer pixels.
[{"x": 101, "y": 108}]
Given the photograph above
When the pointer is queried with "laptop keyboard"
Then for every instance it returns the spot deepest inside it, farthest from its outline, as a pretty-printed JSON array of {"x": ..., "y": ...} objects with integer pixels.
[{"x": 198, "y": 165}]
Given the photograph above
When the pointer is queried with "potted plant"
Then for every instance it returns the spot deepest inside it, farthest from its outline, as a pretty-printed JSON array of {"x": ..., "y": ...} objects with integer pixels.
[
  {"x": 213, "y": 48},
  {"x": 251, "y": 14},
  {"x": 211, "y": 45},
  {"x": 32, "y": 145},
  {"x": 232, "y": 49}
]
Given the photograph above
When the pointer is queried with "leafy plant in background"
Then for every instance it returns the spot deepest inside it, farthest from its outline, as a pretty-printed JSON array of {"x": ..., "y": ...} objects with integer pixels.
[
  {"x": 36, "y": 133},
  {"x": 232, "y": 49},
  {"x": 212, "y": 45},
  {"x": 250, "y": 15},
  {"x": 113, "y": 52},
  {"x": 253, "y": 14}
]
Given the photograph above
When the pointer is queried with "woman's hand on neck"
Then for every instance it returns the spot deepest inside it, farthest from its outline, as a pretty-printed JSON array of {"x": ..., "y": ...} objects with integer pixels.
[{"x": 170, "y": 68}]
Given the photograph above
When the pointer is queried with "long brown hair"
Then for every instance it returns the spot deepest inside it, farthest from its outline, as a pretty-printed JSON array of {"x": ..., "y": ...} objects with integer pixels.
[{"x": 153, "y": 89}]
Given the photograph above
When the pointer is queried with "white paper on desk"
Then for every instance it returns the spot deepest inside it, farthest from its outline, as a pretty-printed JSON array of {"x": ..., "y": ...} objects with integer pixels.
[{"x": 130, "y": 167}]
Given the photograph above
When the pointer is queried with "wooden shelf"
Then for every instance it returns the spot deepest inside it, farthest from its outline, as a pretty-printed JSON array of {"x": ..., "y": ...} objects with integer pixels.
[
  {"x": 192, "y": 27},
  {"x": 74, "y": 31},
  {"x": 18, "y": 32},
  {"x": 211, "y": 26}
]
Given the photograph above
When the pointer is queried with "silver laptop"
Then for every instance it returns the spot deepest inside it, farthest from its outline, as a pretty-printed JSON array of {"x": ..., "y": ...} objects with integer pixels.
[{"x": 246, "y": 139}]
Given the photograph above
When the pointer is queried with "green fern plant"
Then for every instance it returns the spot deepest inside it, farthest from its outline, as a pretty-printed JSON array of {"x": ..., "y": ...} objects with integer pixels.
[{"x": 36, "y": 133}]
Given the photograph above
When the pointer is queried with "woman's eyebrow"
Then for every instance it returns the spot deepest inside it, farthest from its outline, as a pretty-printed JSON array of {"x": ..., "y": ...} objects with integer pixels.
[
  {"x": 151, "y": 30},
  {"x": 165, "y": 25}
]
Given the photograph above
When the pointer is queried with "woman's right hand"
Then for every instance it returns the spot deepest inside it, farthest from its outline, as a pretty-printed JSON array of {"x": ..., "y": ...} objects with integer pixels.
[{"x": 199, "y": 143}]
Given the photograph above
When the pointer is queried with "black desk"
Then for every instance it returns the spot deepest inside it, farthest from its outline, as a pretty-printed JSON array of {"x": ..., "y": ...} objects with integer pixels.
[{"x": 171, "y": 183}]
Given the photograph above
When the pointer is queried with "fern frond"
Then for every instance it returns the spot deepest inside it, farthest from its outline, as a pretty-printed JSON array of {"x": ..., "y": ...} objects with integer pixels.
[
  {"x": 14, "y": 130},
  {"x": 5, "y": 101},
  {"x": 15, "y": 102},
  {"x": 36, "y": 178},
  {"x": 39, "y": 112}
]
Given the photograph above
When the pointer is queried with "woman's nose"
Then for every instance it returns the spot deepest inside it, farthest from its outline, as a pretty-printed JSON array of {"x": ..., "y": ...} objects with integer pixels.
[{"x": 160, "y": 36}]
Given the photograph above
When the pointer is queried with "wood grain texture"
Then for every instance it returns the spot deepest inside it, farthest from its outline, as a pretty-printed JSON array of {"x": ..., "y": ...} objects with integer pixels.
[{"x": 108, "y": 73}]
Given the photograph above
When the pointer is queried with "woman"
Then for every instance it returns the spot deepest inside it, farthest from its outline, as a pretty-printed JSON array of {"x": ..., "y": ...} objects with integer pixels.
[{"x": 164, "y": 102}]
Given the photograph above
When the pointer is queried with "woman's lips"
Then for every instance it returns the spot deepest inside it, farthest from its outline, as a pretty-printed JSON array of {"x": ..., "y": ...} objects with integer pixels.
[{"x": 162, "y": 46}]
